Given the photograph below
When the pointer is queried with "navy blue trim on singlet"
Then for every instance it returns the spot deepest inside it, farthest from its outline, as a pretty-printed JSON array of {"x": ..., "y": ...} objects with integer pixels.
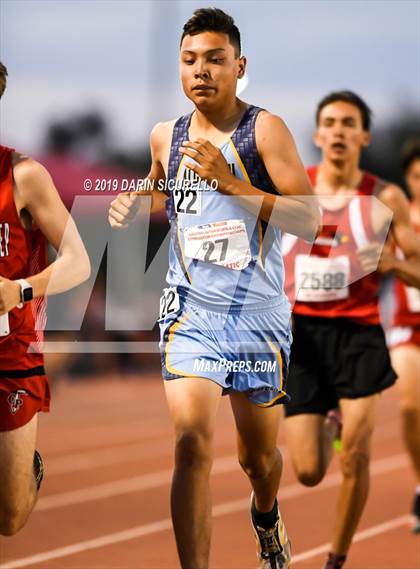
[
  {"x": 244, "y": 140},
  {"x": 245, "y": 143},
  {"x": 179, "y": 135}
]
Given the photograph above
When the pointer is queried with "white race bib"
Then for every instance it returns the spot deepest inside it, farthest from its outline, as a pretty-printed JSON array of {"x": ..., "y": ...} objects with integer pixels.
[
  {"x": 413, "y": 298},
  {"x": 319, "y": 279},
  {"x": 223, "y": 243},
  {"x": 187, "y": 201},
  {"x": 4, "y": 325}
]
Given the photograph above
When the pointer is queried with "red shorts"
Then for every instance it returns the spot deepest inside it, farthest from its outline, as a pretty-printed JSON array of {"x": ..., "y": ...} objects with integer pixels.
[
  {"x": 403, "y": 336},
  {"x": 21, "y": 398}
]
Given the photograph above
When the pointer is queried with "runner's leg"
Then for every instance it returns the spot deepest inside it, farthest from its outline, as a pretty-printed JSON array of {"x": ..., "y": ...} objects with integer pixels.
[
  {"x": 406, "y": 362},
  {"x": 259, "y": 457},
  {"x": 193, "y": 404},
  {"x": 18, "y": 492},
  {"x": 309, "y": 438},
  {"x": 358, "y": 422}
]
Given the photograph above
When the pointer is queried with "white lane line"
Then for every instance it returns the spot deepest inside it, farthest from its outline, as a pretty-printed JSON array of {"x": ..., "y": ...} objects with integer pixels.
[
  {"x": 130, "y": 452},
  {"x": 107, "y": 457},
  {"x": 359, "y": 536},
  {"x": 103, "y": 541},
  {"x": 103, "y": 436},
  {"x": 165, "y": 525},
  {"x": 125, "y": 486},
  {"x": 390, "y": 464},
  {"x": 163, "y": 477},
  {"x": 333, "y": 480}
]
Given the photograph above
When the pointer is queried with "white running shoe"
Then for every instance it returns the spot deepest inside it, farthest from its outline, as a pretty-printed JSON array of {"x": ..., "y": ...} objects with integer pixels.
[{"x": 273, "y": 545}]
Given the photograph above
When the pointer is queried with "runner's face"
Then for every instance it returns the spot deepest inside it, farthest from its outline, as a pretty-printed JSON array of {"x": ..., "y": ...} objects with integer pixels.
[
  {"x": 209, "y": 69},
  {"x": 340, "y": 132},
  {"x": 412, "y": 178}
]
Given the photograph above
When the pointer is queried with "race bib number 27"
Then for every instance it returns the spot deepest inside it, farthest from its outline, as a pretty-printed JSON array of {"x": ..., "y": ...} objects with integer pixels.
[{"x": 223, "y": 243}]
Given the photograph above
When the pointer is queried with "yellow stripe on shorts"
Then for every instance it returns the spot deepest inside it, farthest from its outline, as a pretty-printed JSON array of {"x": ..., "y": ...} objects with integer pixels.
[
  {"x": 171, "y": 334},
  {"x": 281, "y": 393}
]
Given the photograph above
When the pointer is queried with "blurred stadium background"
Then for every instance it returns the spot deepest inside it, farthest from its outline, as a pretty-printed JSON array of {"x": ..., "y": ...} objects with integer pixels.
[{"x": 89, "y": 79}]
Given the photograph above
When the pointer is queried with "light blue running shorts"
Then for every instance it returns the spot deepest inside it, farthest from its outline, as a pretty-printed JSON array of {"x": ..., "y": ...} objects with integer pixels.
[{"x": 244, "y": 350}]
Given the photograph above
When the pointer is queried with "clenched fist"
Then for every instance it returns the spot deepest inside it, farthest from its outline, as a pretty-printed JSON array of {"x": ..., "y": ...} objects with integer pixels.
[
  {"x": 123, "y": 210},
  {"x": 210, "y": 164},
  {"x": 376, "y": 257},
  {"x": 9, "y": 295}
]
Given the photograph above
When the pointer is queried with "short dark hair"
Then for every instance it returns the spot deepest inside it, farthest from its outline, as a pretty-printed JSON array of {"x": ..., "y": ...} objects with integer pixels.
[
  {"x": 410, "y": 152},
  {"x": 3, "y": 81},
  {"x": 347, "y": 97},
  {"x": 213, "y": 20}
]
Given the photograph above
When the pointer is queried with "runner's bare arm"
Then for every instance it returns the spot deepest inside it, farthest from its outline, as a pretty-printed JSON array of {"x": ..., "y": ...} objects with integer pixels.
[
  {"x": 125, "y": 207},
  {"x": 295, "y": 211},
  {"x": 37, "y": 195},
  {"x": 402, "y": 235}
]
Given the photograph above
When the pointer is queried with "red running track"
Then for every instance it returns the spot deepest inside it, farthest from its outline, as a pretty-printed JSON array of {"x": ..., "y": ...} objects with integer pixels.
[{"x": 108, "y": 449}]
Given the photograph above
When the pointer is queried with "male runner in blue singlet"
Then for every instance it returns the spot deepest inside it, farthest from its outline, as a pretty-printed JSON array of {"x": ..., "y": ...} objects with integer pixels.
[{"x": 224, "y": 317}]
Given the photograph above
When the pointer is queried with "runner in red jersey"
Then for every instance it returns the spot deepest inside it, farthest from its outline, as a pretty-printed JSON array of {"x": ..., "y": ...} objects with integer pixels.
[
  {"x": 31, "y": 213},
  {"x": 339, "y": 356},
  {"x": 404, "y": 336}
]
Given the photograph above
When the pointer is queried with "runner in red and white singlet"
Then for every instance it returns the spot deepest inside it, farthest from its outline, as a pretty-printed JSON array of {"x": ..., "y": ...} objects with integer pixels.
[
  {"x": 31, "y": 212},
  {"x": 406, "y": 319},
  {"x": 333, "y": 258},
  {"x": 339, "y": 357},
  {"x": 23, "y": 252},
  {"x": 404, "y": 335}
]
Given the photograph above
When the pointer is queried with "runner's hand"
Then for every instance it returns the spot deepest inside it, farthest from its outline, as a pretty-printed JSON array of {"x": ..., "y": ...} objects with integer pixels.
[
  {"x": 375, "y": 257},
  {"x": 123, "y": 210},
  {"x": 211, "y": 164},
  {"x": 9, "y": 295},
  {"x": 387, "y": 260}
]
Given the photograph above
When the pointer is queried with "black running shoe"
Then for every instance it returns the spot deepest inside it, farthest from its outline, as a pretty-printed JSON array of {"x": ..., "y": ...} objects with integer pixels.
[
  {"x": 335, "y": 561},
  {"x": 416, "y": 512},
  {"x": 38, "y": 469}
]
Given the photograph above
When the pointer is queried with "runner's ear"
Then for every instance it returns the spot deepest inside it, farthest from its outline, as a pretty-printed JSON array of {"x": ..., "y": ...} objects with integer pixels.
[
  {"x": 242, "y": 67},
  {"x": 366, "y": 138},
  {"x": 316, "y": 140}
]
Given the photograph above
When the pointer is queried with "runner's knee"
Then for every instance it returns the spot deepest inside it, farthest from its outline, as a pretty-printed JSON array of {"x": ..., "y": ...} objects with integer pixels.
[
  {"x": 258, "y": 465},
  {"x": 410, "y": 411},
  {"x": 193, "y": 448},
  {"x": 11, "y": 518},
  {"x": 354, "y": 462},
  {"x": 309, "y": 476}
]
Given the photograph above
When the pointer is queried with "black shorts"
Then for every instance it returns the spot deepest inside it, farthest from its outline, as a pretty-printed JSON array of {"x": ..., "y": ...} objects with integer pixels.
[{"x": 335, "y": 358}]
